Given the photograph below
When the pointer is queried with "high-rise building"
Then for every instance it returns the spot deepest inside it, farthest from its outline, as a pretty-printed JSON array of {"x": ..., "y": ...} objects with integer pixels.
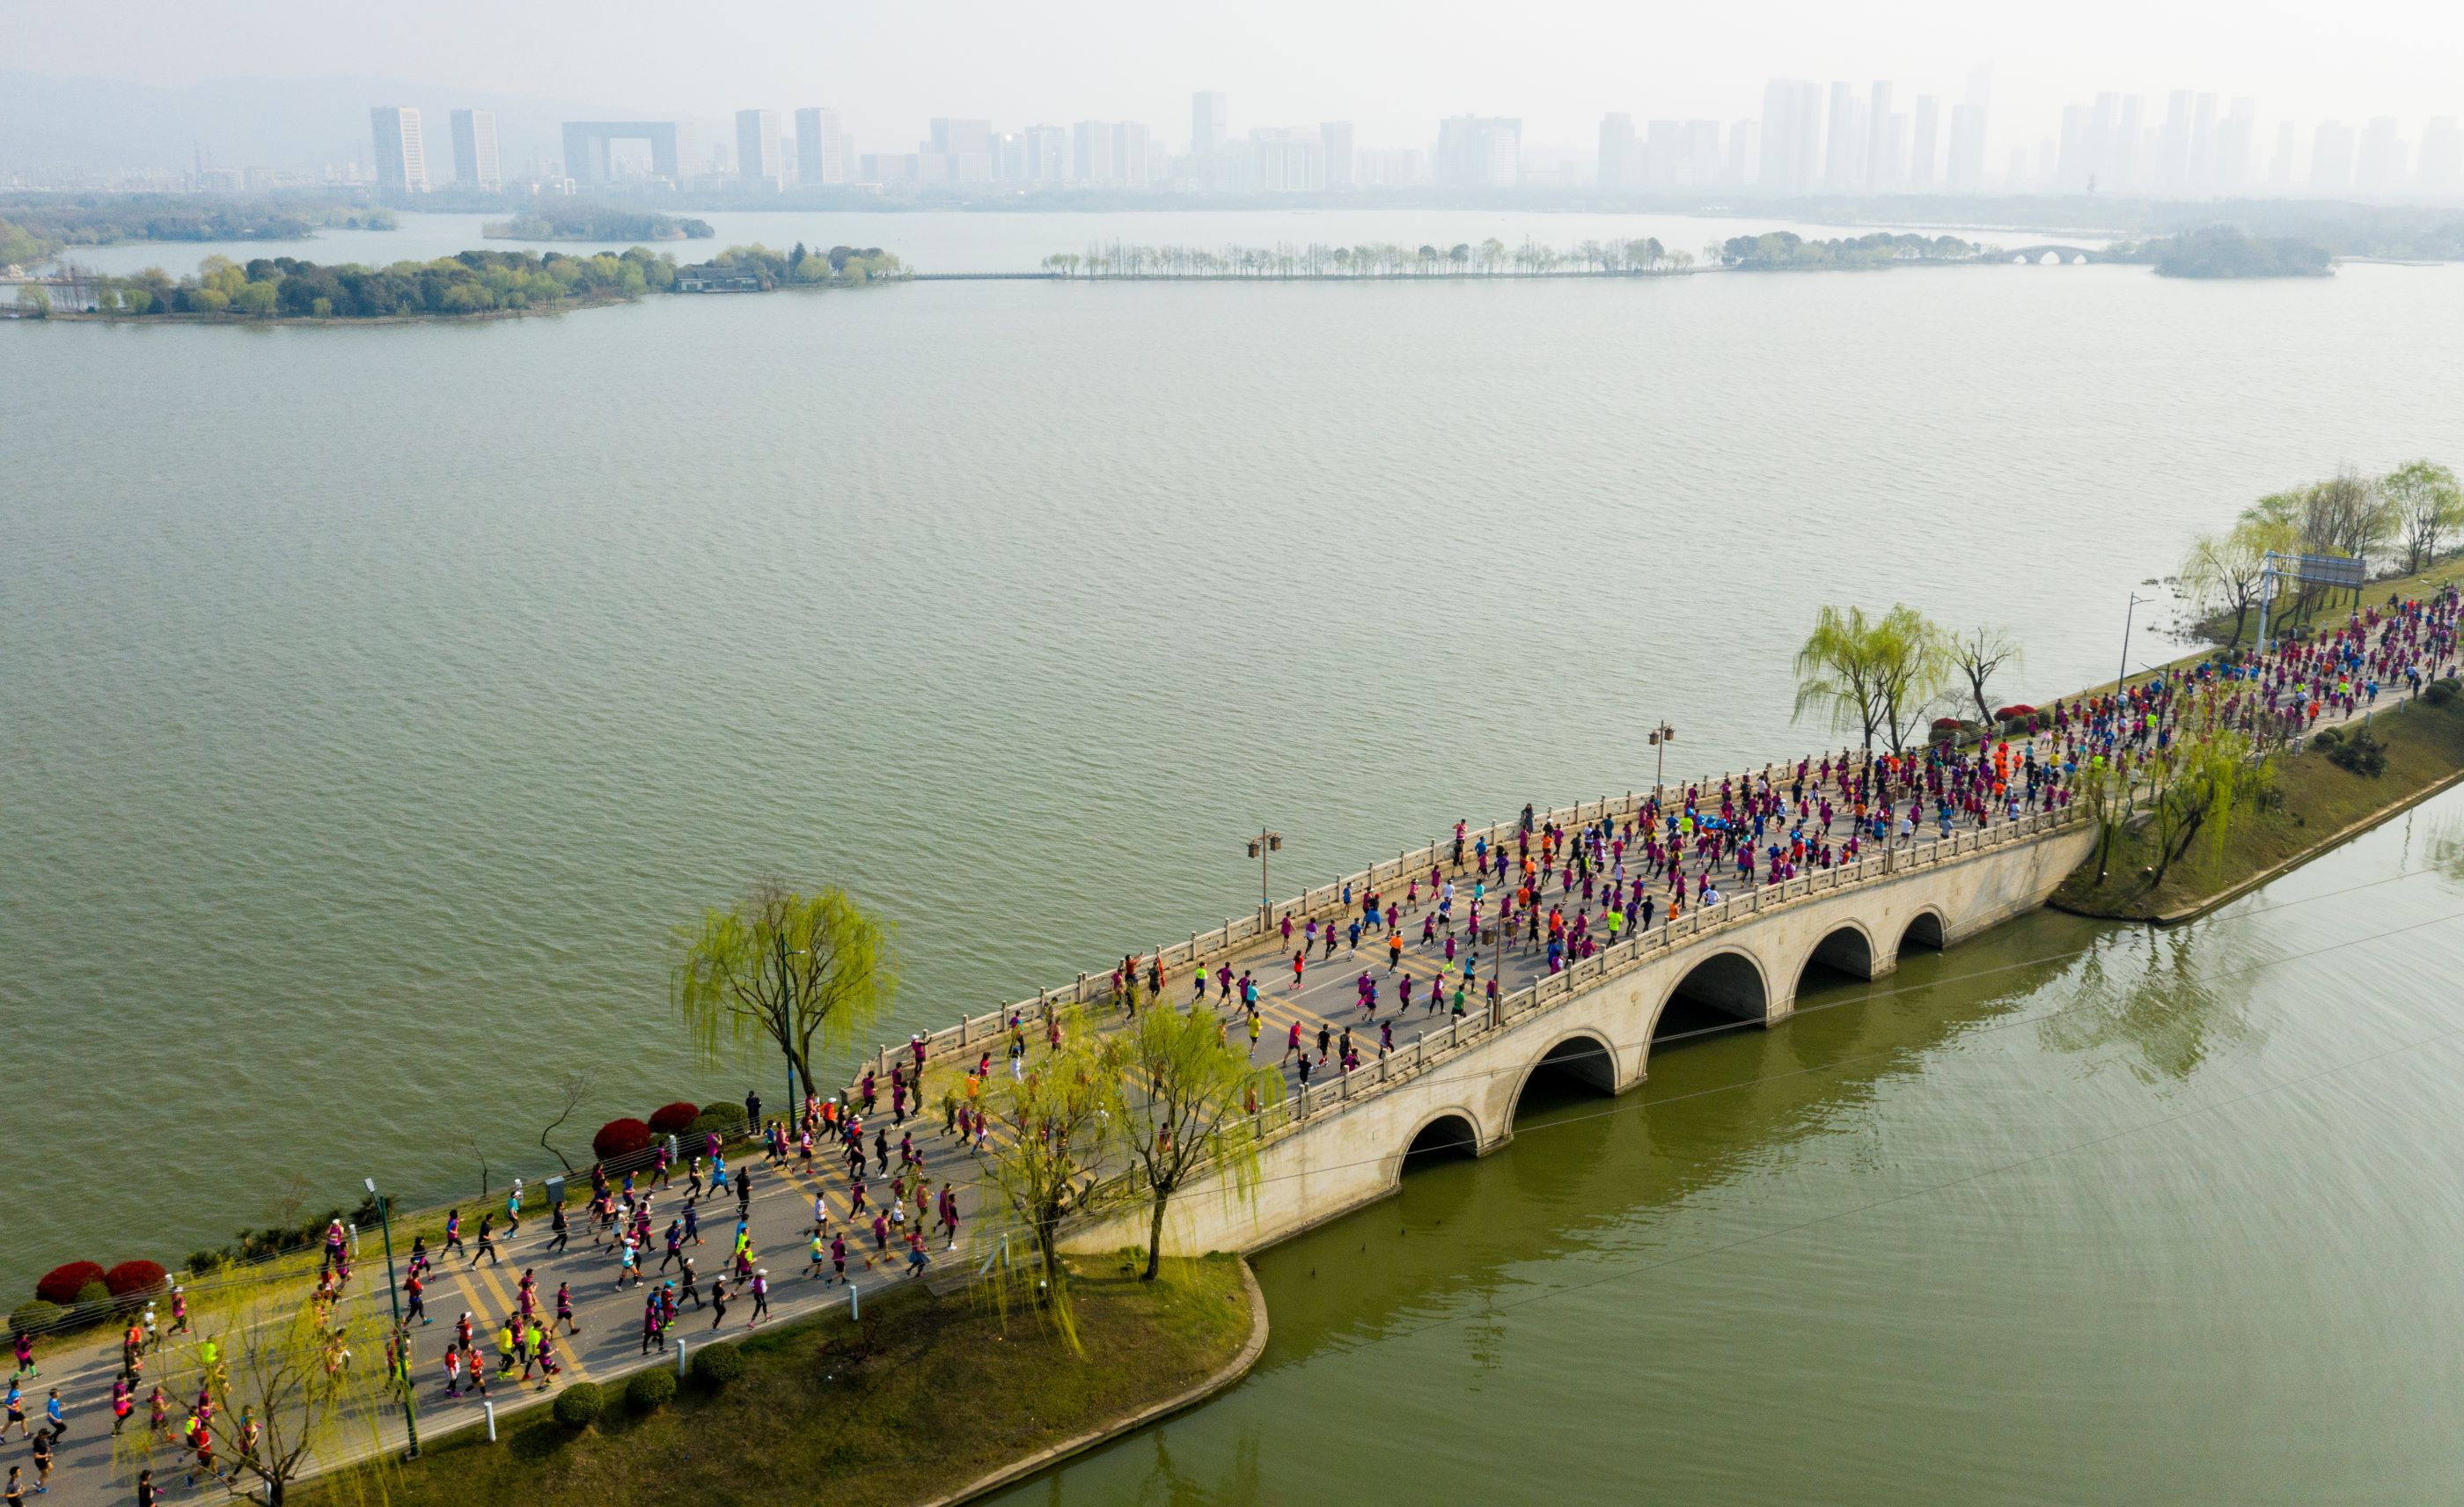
[
  {"x": 959, "y": 149},
  {"x": 1284, "y": 160},
  {"x": 1091, "y": 152},
  {"x": 402, "y": 152},
  {"x": 1791, "y": 135},
  {"x": 1480, "y": 151},
  {"x": 2383, "y": 165},
  {"x": 1335, "y": 138},
  {"x": 2125, "y": 161},
  {"x": 2202, "y": 145},
  {"x": 2442, "y": 156},
  {"x": 1210, "y": 115},
  {"x": 820, "y": 151},
  {"x": 1925, "y": 144},
  {"x": 1392, "y": 167},
  {"x": 1130, "y": 154},
  {"x": 1745, "y": 153},
  {"x": 1883, "y": 158},
  {"x": 2279, "y": 167},
  {"x": 1618, "y": 168},
  {"x": 2235, "y": 140},
  {"x": 2331, "y": 158},
  {"x": 1843, "y": 165},
  {"x": 757, "y": 147},
  {"x": 2172, "y": 175},
  {"x": 1968, "y": 126},
  {"x": 475, "y": 150}
]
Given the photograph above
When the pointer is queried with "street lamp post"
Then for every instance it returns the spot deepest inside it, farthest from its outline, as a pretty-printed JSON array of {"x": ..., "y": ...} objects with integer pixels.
[
  {"x": 1265, "y": 843},
  {"x": 1661, "y": 735},
  {"x": 402, "y": 1336}
]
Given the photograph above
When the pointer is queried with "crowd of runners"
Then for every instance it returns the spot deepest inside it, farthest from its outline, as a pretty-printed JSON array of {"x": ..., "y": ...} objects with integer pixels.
[{"x": 1490, "y": 915}]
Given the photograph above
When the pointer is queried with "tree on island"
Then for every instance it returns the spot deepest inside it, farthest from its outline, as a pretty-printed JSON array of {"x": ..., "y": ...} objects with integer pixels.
[
  {"x": 803, "y": 972},
  {"x": 1191, "y": 1103}
]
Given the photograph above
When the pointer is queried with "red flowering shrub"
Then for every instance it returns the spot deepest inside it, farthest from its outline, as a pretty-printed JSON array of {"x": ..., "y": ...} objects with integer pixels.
[
  {"x": 133, "y": 1279},
  {"x": 669, "y": 1119},
  {"x": 61, "y": 1283},
  {"x": 620, "y": 1138}
]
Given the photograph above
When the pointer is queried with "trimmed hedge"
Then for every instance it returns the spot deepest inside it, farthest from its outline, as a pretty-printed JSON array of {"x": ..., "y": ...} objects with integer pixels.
[
  {"x": 579, "y": 1405},
  {"x": 620, "y": 1138},
  {"x": 715, "y": 1365},
  {"x": 62, "y": 1283},
  {"x": 134, "y": 1278},
  {"x": 2440, "y": 693},
  {"x": 94, "y": 1293},
  {"x": 651, "y": 1391},
  {"x": 669, "y": 1119}
]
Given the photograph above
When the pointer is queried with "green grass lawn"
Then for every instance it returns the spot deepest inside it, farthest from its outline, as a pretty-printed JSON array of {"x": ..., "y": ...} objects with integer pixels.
[
  {"x": 2315, "y": 800},
  {"x": 928, "y": 1393}
]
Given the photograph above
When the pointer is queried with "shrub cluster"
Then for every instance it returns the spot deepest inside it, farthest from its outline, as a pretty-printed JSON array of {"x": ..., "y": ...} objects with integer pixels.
[
  {"x": 651, "y": 1391},
  {"x": 579, "y": 1405},
  {"x": 714, "y": 1366}
]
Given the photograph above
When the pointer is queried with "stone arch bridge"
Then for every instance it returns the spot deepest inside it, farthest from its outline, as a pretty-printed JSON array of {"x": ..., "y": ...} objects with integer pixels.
[{"x": 1343, "y": 1144}]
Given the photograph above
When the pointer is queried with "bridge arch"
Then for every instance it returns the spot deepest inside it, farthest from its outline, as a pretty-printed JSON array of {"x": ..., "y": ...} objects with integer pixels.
[
  {"x": 1923, "y": 929},
  {"x": 1848, "y": 948},
  {"x": 1442, "y": 1135},
  {"x": 1727, "y": 985},
  {"x": 1584, "y": 1056}
]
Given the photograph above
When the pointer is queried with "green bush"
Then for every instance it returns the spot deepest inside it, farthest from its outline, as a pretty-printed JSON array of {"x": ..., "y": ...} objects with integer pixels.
[
  {"x": 94, "y": 1291},
  {"x": 33, "y": 1317},
  {"x": 2328, "y": 737},
  {"x": 579, "y": 1406},
  {"x": 728, "y": 1120},
  {"x": 651, "y": 1391},
  {"x": 2360, "y": 753},
  {"x": 718, "y": 1364},
  {"x": 2441, "y": 692}
]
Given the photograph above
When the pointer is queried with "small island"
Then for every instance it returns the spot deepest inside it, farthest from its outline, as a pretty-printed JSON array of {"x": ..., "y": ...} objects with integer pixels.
[
  {"x": 594, "y": 222},
  {"x": 1785, "y": 251},
  {"x": 2227, "y": 251},
  {"x": 471, "y": 284},
  {"x": 36, "y": 226}
]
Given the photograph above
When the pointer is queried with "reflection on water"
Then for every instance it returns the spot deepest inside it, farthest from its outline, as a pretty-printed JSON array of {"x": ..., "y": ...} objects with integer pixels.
[{"x": 2162, "y": 1002}]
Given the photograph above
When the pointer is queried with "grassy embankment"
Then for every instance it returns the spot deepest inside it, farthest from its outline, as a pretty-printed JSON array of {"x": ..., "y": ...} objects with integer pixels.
[
  {"x": 928, "y": 1394},
  {"x": 2317, "y": 802}
]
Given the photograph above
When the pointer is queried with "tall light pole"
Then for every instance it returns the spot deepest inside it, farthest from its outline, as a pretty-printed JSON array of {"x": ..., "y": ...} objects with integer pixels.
[
  {"x": 1661, "y": 735},
  {"x": 402, "y": 1336},
  {"x": 2124, "y": 673},
  {"x": 1265, "y": 843}
]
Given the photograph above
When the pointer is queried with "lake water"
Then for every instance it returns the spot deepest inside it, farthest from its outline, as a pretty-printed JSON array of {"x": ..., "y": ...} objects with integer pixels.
[{"x": 373, "y": 701}]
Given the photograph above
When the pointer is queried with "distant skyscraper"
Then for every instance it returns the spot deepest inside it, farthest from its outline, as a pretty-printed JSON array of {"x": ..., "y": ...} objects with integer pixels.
[
  {"x": 1130, "y": 154},
  {"x": 2202, "y": 145},
  {"x": 2383, "y": 165},
  {"x": 2126, "y": 165},
  {"x": 1478, "y": 151},
  {"x": 821, "y": 152},
  {"x": 2442, "y": 156},
  {"x": 1091, "y": 153},
  {"x": 1970, "y": 123},
  {"x": 1342, "y": 160},
  {"x": 402, "y": 152},
  {"x": 1886, "y": 146},
  {"x": 756, "y": 146},
  {"x": 2234, "y": 140},
  {"x": 2280, "y": 166},
  {"x": 2172, "y": 174},
  {"x": 1843, "y": 161},
  {"x": 1745, "y": 153},
  {"x": 1925, "y": 144},
  {"x": 1617, "y": 166},
  {"x": 1791, "y": 135},
  {"x": 2331, "y": 158},
  {"x": 475, "y": 150},
  {"x": 1210, "y": 115}
]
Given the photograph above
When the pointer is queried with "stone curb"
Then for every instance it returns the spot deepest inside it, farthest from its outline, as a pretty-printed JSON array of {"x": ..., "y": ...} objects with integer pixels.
[{"x": 1238, "y": 1367}]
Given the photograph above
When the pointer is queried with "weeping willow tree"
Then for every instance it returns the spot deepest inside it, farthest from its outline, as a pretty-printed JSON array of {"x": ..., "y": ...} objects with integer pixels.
[
  {"x": 2205, "y": 778},
  {"x": 1191, "y": 1103},
  {"x": 1057, "y": 1120},
  {"x": 1875, "y": 675},
  {"x": 803, "y": 972}
]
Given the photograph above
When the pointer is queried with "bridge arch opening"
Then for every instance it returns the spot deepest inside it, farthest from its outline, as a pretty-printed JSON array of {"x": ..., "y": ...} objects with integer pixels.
[
  {"x": 1448, "y": 1138},
  {"x": 1578, "y": 1067},
  {"x": 1925, "y": 931},
  {"x": 1846, "y": 951},
  {"x": 1722, "y": 990}
]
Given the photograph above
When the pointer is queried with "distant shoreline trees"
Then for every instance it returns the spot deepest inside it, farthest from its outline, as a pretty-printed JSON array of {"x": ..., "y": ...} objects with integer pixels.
[{"x": 1490, "y": 259}]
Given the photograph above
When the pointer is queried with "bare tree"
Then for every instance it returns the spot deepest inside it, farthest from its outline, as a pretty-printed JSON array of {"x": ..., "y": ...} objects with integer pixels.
[
  {"x": 1978, "y": 654},
  {"x": 569, "y": 1094}
]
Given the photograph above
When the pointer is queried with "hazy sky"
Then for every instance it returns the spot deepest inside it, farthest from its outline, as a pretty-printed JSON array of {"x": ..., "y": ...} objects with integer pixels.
[{"x": 1394, "y": 66}]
